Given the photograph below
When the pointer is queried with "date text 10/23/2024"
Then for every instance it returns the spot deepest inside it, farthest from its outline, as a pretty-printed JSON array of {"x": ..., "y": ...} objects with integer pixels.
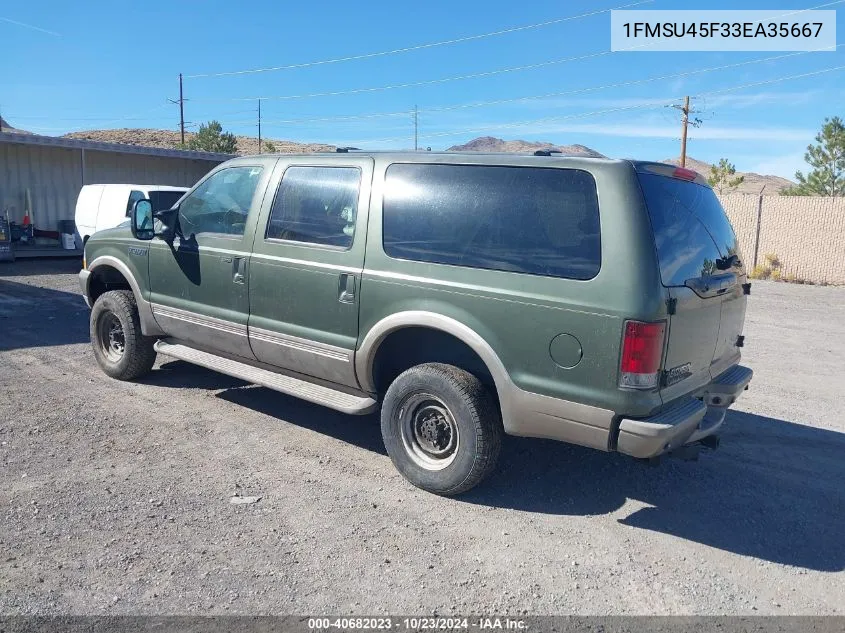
[{"x": 418, "y": 623}]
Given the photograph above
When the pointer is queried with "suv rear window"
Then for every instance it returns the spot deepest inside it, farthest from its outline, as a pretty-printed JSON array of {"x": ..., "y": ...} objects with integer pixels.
[
  {"x": 690, "y": 227},
  {"x": 539, "y": 221}
]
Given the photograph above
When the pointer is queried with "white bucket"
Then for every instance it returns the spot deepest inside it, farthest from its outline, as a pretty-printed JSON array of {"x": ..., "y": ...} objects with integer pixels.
[{"x": 68, "y": 243}]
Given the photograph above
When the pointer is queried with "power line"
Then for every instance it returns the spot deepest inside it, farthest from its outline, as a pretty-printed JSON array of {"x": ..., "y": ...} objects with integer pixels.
[
  {"x": 30, "y": 26},
  {"x": 412, "y": 84},
  {"x": 516, "y": 124},
  {"x": 827, "y": 4},
  {"x": 772, "y": 81},
  {"x": 499, "y": 71},
  {"x": 407, "y": 49},
  {"x": 477, "y": 104}
]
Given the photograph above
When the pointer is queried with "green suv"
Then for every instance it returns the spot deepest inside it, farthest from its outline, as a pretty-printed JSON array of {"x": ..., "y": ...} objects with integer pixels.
[{"x": 598, "y": 302}]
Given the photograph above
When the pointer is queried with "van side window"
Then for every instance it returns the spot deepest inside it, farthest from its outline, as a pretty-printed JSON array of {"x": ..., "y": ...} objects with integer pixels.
[
  {"x": 134, "y": 196},
  {"x": 316, "y": 205},
  {"x": 539, "y": 221},
  {"x": 221, "y": 203}
]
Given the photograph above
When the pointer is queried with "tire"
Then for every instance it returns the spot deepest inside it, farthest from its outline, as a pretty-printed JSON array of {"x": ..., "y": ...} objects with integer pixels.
[
  {"x": 120, "y": 348},
  {"x": 441, "y": 428}
]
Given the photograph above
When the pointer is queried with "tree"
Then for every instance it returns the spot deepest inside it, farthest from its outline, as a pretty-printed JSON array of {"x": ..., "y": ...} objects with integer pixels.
[
  {"x": 268, "y": 148},
  {"x": 827, "y": 158},
  {"x": 212, "y": 138},
  {"x": 722, "y": 176}
]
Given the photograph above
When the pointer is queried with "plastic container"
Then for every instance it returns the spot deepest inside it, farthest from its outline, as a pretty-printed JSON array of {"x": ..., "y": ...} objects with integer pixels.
[{"x": 68, "y": 243}]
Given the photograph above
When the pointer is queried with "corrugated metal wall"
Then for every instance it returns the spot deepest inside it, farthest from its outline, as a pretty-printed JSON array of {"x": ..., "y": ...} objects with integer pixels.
[{"x": 54, "y": 177}]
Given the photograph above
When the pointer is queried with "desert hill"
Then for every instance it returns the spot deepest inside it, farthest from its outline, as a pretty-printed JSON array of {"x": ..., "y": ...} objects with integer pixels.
[
  {"x": 170, "y": 139},
  {"x": 493, "y": 144}
]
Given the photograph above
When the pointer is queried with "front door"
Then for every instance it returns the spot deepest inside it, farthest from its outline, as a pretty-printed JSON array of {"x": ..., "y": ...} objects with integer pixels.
[
  {"x": 200, "y": 284},
  {"x": 305, "y": 273}
]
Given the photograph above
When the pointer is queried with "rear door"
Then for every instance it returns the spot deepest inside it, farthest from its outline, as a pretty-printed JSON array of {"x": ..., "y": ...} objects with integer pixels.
[
  {"x": 113, "y": 205},
  {"x": 701, "y": 266},
  {"x": 305, "y": 273},
  {"x": 86, "y": 209}
]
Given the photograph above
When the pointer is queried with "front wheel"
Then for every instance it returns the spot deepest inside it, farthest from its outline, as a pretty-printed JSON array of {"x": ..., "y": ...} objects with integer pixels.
[
  {"x": 120, "y": 348},
  {"x": 441, "y": 428}
]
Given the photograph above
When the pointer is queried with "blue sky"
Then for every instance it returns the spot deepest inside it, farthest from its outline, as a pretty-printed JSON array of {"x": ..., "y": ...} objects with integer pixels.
[{"x": 98, "y": 64}]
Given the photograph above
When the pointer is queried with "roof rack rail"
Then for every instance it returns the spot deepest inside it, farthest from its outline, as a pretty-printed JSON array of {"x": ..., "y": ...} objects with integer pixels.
[
  {"x": 546, "y": 152},
  {"x": 346, "y": 150}
]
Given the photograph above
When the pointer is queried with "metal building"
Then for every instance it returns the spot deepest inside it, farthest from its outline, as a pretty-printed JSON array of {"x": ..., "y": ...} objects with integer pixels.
[{"x": 53, "y": 170}]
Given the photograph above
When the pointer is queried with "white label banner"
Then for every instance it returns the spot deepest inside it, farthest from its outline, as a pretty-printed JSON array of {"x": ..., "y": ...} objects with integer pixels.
[{"x": 710, "y": 30}]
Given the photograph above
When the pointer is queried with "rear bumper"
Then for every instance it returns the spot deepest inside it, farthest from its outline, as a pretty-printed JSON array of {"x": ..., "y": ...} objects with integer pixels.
[{"x": 687, "y": 421}]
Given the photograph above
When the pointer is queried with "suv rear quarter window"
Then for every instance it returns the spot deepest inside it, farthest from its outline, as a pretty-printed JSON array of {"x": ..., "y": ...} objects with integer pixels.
[{"x": 538, "y": 221}]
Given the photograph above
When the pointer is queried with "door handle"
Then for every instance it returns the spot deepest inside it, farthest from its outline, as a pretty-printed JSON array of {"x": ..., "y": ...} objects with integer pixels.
[
  {"x": 238, "y": 268},
  {"x": 346, "y": 288}
]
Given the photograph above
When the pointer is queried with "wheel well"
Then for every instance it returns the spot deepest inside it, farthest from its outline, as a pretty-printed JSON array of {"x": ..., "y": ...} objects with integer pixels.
[
  {"x": 105, "y": 278},
  {"x": 412, "y": 346}
]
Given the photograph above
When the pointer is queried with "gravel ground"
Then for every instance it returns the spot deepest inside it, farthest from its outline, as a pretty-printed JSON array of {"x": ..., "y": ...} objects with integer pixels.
[{"x": 116, "y": 496}]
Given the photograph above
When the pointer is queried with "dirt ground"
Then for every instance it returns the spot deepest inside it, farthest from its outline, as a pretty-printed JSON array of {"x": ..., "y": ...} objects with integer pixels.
[{"x": 116, "y": 496}]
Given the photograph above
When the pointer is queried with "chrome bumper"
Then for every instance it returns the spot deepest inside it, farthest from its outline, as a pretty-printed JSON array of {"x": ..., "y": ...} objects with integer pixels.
[
  {"x": 685, "y": 422},
  {"x": 83, "y": 286}
]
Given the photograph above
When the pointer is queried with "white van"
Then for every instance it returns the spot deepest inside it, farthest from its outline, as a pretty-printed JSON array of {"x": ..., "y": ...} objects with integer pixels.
[{"x": 105, "y": 206}]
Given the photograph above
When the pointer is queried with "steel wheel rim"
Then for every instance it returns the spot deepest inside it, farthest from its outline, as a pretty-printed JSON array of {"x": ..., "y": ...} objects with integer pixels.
[
  {"x": 429, "y": 431},
  {"x": 110, "y": 337}
]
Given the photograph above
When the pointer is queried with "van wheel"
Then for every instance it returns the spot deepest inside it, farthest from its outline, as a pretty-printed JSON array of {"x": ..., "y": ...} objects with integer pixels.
[
  {"x": 441, "y": 428},
  {"x": 120, "y": 348}
]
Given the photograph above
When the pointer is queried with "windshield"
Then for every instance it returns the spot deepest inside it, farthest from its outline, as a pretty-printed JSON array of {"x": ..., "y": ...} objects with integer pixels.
[
  {"x": 162, "y": 200},
  {"x": 691, "y": 230}
]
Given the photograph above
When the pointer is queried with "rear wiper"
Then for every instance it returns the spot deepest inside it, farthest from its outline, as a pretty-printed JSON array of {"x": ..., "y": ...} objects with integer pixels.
[{"x": 726, "y": 263}]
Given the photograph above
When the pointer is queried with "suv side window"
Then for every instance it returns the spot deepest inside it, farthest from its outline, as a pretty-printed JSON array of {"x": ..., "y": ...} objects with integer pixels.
[
  {"x": 316, "y": 205},
  {"x": 221, "y": 203},
  {"x": 134, "y": 196},
  {"x": 534, "y": 220}
]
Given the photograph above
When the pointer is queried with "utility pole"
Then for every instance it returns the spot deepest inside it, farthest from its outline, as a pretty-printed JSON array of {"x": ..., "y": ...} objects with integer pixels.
[
  {"x": 259, "y": 126},
  {"x": 685, "y": 123},
  {"x": 416, "y": 127},
  {"x": 684, "y": 126},
  {"x": 181, "y": 110},
  {"x": 181, "y": 103}
]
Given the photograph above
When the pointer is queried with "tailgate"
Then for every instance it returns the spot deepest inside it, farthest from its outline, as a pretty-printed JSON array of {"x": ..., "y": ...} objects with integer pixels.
[{"x": 701, "y": 267}]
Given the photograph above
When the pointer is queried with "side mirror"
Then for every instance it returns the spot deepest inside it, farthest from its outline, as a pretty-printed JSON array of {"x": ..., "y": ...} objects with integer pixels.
[{"x": 143, "y": 227}]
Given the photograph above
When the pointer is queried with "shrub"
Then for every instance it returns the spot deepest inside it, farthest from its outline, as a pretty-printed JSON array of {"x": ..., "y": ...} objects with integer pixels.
[
  {"x": 772, "y": 270},
  {"x": 772, "y": 260},
  {"x": 760, "y": 272}
]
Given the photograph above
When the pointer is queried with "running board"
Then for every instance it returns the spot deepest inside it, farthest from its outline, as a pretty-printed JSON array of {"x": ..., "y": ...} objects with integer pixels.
[{"x": 318, "y": 394}]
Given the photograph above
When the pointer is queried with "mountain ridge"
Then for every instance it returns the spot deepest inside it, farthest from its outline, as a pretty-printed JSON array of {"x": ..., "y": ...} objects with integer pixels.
[
  {"x": 757, "y": 184},
  {"x": 493, "y": 145}
]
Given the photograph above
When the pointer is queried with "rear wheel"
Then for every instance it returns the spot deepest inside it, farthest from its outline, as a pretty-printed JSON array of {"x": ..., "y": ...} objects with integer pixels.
[
  {"x": 120, "y": 348},
  {"x": 441, "y": 428}
]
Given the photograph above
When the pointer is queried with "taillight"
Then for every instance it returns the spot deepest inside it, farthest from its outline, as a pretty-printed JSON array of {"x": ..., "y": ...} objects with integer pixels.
[
  {"x": 684, "y": 174},
  {"x": 642, "y": 350}
]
